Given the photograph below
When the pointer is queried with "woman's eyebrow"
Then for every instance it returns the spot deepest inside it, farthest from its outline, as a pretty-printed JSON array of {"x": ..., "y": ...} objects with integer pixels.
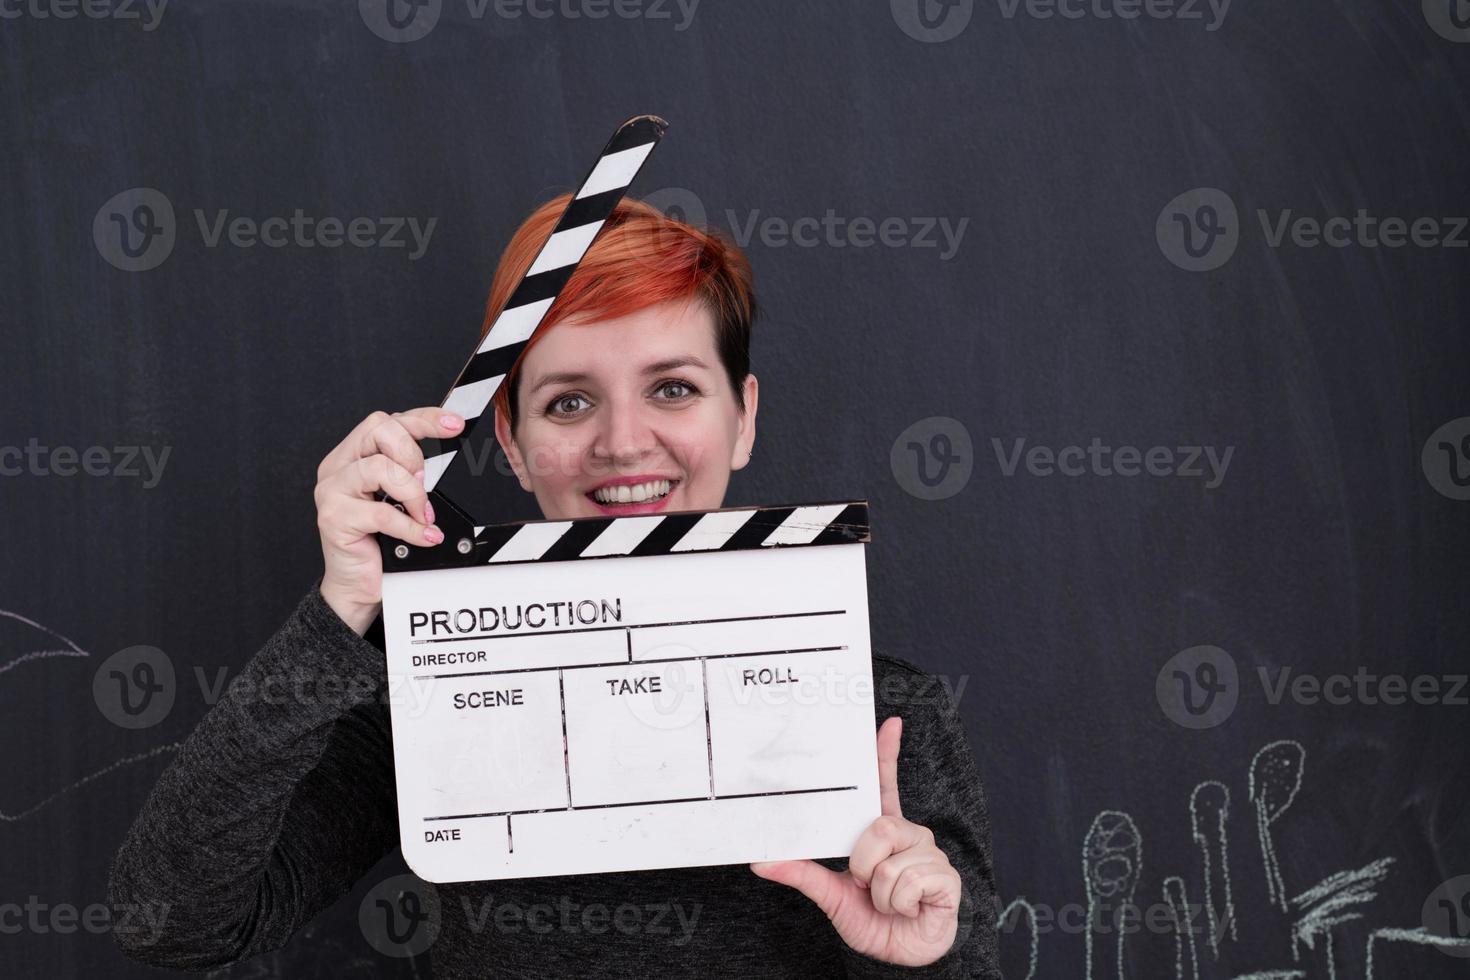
[{"x": 657, "y": 367}]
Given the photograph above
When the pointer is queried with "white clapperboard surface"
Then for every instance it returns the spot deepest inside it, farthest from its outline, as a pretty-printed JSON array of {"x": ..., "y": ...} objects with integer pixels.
[
  {"x": 616, "y": 694},
  {"x": 610, "y": 694}
]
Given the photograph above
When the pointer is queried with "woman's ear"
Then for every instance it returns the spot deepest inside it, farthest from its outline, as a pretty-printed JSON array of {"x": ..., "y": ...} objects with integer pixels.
[
  {"x": 745, "y": 434},
  {"x": 511, "y": 450}
]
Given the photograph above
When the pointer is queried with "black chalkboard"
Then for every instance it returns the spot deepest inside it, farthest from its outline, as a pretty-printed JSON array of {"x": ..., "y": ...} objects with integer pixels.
[{"x": 1141, "y": 325}]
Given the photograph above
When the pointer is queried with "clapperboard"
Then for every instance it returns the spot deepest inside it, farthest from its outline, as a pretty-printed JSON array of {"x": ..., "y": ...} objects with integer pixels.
[{"x": 621, "y": 693}]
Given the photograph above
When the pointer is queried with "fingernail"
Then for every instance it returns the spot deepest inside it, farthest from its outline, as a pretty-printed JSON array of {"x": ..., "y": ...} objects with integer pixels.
[
  {"x": 449, "y": 421},
  {"x": 433, "y": 535},
  {"x": 429, "y": 511}
]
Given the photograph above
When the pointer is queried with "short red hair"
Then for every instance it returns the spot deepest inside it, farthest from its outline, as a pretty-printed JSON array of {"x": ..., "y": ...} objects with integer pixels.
[{"x": 640, "y": 258}]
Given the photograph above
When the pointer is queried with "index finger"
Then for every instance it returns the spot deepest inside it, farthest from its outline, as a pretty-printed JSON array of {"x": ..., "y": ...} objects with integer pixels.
[
  {"x": 890, "y": 734},
  {"x": 430, "y": 422},
  {"x": 419, "y": 423}
]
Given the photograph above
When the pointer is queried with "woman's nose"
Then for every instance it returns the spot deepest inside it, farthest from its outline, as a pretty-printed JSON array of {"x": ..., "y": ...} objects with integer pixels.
[{"x": 626, "y": 434}]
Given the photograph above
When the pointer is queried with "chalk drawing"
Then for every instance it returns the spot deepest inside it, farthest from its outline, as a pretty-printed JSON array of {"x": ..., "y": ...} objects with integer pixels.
[
  {"x": 1112, "y": 860},
  {"x": 1275, "y": 779},
  {"x": 1330, "y": 903},
  {"x": 1186, "y": 956},
  {"x": 1112, "y": 863},
  {"x": 1209, "y": 812},
  {"x": 1420, "y": 936},
  {"x": 72, "y": 650},
  {"x": 125, "y": 761},
  {"x": 1024, "y": 910}
]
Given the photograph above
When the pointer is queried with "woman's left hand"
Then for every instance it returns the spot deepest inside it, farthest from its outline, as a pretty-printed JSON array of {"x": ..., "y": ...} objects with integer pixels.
[{"x": 899, "y": 899}]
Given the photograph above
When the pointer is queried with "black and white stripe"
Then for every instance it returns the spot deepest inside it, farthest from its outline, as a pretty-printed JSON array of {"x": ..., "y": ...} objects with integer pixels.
[
  {"x": 733, "y": 529},
  {"x": 447, "y": 467}
]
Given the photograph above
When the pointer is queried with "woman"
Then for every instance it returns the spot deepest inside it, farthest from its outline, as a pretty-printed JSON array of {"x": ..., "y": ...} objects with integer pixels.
[{"x": 639, "y": 378}]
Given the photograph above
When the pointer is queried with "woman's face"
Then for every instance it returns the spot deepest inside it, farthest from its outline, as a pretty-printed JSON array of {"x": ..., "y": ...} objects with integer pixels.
[{"x": 637, "y": 411}]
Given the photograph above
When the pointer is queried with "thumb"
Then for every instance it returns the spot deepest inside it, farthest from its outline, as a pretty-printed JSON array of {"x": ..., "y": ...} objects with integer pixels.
[{"x": 822, "y": 885}]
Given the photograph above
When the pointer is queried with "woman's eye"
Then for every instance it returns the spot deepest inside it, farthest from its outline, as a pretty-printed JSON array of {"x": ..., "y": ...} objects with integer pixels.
[
  {"x": 556, "y": 409},
  {"x": 689, "y": 389}
]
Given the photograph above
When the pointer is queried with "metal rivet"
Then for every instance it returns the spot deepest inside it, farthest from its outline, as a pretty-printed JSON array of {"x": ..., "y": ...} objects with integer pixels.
[
  {"x": 401, "y": 552},
  {"x": 464, "y": 546}
]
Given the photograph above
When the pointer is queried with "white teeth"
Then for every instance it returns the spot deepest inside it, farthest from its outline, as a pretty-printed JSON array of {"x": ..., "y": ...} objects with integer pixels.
[{"x": 636, "y": 494}]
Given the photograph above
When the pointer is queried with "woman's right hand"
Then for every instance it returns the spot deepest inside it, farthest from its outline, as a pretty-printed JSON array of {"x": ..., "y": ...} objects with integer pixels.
[{"x": 379, "y": 454}]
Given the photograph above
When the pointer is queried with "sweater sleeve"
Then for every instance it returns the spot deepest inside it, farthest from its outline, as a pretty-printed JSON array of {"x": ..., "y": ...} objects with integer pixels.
[
  {"x": 939, "y": 788},
  {"x": 276, "y": 803}
]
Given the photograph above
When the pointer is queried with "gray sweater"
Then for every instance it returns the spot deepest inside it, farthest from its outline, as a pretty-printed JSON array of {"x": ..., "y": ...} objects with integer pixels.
[{"x": 283, "y": 797}]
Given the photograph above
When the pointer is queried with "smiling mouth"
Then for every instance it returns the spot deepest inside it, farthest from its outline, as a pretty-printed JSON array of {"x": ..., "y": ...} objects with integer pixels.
[{"x": 643, "y": 493}]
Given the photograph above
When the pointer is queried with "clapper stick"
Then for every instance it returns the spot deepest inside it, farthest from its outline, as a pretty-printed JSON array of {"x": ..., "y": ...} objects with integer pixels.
[{"x": 453, "y": 467}]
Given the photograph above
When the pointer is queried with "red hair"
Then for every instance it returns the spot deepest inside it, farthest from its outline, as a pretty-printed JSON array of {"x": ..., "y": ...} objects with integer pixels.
[{"x": 641, "y": 257}]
